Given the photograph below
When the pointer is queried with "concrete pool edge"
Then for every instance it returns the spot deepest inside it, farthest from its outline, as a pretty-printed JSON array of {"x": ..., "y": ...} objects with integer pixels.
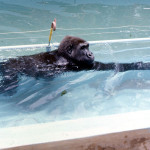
[{"x": 73, "y": 129}]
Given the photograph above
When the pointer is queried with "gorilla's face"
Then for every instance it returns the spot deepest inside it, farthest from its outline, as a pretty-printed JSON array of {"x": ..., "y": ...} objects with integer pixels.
[
  {"x": 76, "y": 49},
  {"x": 81, "y": 54}
]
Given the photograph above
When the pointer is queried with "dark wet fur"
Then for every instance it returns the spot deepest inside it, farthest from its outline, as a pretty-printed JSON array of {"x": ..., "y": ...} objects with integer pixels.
[{"x": 68, "y": 57}]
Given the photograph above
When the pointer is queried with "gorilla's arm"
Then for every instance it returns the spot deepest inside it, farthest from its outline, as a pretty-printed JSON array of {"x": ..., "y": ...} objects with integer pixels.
[{"x": 120, "y": 67}]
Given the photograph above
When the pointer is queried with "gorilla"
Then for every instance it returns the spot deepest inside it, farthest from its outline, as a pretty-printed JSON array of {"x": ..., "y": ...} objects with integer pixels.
[{"x": 72, "y": 55}]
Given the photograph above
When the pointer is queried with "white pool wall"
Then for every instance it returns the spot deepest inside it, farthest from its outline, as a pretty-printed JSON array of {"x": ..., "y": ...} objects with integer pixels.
[{"x": 73, "y": 129}]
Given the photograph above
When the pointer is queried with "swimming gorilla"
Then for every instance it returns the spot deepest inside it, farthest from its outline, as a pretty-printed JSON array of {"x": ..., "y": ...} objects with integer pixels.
[{"x": 72, "y": 55}]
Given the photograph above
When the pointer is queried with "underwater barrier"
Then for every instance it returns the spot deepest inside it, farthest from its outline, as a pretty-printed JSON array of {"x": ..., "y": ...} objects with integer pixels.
[{"x": 57, "y": 44}]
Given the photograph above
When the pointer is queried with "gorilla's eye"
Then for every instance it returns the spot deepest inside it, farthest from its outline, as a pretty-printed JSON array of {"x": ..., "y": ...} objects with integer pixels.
[{"x": 83, "y": 47}]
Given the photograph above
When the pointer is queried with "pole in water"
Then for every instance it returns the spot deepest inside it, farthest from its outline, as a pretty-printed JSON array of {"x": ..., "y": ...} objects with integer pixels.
[{"x": 53, "y": 28}]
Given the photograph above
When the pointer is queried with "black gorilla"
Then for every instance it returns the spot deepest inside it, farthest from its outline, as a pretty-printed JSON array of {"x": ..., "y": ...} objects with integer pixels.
[{"x": 72, "y": 55}]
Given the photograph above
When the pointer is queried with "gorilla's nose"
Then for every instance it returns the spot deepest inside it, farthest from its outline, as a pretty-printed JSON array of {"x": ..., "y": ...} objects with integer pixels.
[{"x": 90, "y": 55}]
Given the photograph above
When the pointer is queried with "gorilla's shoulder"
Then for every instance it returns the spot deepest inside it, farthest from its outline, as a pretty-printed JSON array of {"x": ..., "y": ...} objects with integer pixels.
[{"x": 44, "y": 57}]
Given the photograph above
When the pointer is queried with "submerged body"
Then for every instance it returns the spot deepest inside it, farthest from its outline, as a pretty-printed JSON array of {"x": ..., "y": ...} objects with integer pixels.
[{"x": 72, "y": 55}]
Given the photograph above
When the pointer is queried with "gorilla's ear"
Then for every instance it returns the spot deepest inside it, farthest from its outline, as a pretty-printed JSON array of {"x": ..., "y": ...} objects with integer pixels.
[{"x": 69, "y": 50}]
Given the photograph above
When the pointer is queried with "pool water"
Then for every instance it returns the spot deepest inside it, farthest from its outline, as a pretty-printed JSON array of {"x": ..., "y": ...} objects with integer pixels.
[{"x": 73, "y": 95}]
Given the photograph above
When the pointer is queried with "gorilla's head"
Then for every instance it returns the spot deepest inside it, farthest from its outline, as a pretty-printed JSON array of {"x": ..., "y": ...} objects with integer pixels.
[{"x": 76, "y": 49}]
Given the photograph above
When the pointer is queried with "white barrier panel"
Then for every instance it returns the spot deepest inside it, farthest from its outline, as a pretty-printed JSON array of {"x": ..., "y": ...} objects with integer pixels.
[
  {"x": 73, "y": 129},
  {"x": 28, "y": 46},
  {"x": 57, "y": 44}
]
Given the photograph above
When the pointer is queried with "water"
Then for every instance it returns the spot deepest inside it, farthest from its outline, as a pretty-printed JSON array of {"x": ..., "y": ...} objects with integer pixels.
[{"x": 76, "y": 94}]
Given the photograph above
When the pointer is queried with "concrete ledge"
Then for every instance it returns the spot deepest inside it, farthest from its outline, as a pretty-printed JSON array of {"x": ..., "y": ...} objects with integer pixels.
[
  {"x": 129, "y": 140},
  {"x": 63, "y": 132}
]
